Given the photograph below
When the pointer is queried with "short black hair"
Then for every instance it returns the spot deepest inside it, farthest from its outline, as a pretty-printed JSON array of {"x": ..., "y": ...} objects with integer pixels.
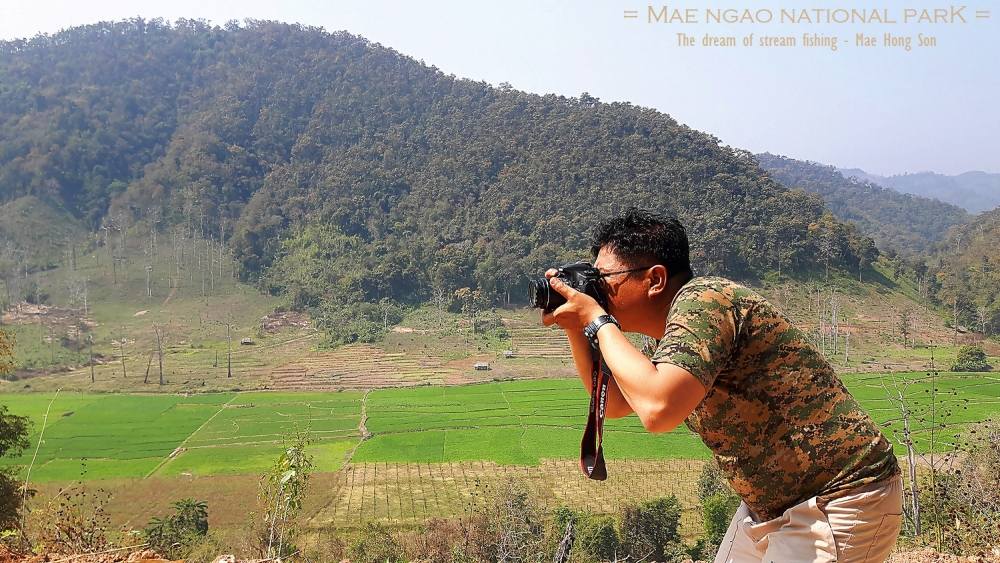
[{"x": 639, "y": 237}]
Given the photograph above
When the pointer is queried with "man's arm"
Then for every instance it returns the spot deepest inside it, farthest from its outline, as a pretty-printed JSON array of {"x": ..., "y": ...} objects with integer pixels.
[{"x": 661, "y": 394}]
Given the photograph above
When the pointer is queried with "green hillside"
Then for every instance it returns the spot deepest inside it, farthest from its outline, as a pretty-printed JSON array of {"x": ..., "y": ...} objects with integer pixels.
[{"x": 278, "y": 139}]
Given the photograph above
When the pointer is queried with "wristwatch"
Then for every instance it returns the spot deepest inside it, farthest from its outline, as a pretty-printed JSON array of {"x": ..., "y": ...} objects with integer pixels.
[{"x": 590, "y": 331}]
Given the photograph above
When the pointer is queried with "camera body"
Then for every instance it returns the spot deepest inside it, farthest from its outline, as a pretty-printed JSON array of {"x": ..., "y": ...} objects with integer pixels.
[{"x": 581, "y": 276}]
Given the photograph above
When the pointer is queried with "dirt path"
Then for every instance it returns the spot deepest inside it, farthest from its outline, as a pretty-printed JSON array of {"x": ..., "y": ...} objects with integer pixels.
[
  {"x": 362, "y": 428},
  {"x": 170, "y": 295}
]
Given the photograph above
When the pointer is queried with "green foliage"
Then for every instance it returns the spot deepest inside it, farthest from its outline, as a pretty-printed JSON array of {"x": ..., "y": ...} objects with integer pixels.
[
  {"x": 282, "y": 491},
  {"x": 376, "y": 544},
  {"x": 34, "y": 294},
  {"x": 596, "y": 537},
  {"x": 649, "y": 530},
  {"x": 717, "y": 512},
  {"x": 7, "y": 342},
  {"x": 341, "y": 171},
  {"x": 718, "y": 504},
  {"x": 349, "y": 320},
  {"x": 971, "y": 358},
  {"x": 963, "y": 274},
  {"x": 174, "y": 534},
  {"x": 13, "y": 440}
]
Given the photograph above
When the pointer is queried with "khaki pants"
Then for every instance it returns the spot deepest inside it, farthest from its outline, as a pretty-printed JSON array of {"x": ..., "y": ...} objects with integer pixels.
[{"x": 860, "y": 527}]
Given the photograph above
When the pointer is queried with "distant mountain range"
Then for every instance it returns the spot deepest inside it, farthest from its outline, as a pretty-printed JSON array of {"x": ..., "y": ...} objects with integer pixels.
[
  {"x": 973, "y": 191},
  {"x": 909, "y": 224}
]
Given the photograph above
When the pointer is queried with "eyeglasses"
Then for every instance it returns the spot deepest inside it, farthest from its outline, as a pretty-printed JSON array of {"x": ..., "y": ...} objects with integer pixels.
[{"x": 606, "y": 274}]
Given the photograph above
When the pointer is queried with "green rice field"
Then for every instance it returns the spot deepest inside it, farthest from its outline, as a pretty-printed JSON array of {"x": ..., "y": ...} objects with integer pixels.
[{"x": 99, "y": 436}]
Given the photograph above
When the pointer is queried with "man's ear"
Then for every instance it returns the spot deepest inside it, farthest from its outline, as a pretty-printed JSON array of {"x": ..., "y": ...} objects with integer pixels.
[{"x": 657, "y": 276}]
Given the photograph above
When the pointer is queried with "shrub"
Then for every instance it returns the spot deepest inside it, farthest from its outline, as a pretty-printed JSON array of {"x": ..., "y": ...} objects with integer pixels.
[
  {"x": 13, "y": 441},
  {"x": 507, "y": 524},
  {"x": 597, "y": 539},
  {"x": 73, "y": 522},
  {"x": 376, "y": 543},
  {"x": 963, "y": 504},
  {"x": 718, "y": 505},
  {"x": 173, "y": 535},
  {"x": 971, "y": 358},
  {"x": 282, "y": 490},
  {"x": 717, "y": 512},
  {"x": 649, "y": 528}
]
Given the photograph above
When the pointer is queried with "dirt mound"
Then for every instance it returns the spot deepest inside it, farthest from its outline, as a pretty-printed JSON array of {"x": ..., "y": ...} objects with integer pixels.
[
  {"x": 277, "y": 320},
  {"x": 30, "y": 313}
]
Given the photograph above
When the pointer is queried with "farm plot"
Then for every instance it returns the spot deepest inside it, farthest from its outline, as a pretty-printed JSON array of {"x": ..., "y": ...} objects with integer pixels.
[
  {"x": 514, "y": 422},
  {"x": 247, "y": 435},
  {"x": 406, "y": 493},
  {"x": 941, "y": 405},
  {"x": 103, "y": 436},
  {"x": 120, "y": 436}
]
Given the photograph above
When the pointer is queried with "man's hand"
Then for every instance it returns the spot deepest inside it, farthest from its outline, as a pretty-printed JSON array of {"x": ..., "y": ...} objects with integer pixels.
[{"x": 578, "y": 311}]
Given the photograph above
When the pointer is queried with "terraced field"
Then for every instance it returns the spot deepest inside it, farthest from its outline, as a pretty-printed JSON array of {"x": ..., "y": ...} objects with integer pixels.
[
  {"x": 359, "y": 367},
  {"x": 429, "y": 450}
]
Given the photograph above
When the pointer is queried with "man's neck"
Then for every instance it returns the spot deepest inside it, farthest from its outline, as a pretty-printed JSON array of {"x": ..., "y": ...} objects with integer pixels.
[{"x": 674, "y": 285}]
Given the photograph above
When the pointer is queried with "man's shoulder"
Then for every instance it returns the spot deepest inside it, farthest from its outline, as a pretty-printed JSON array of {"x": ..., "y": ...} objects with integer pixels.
[{"x": 715, "y": 288}]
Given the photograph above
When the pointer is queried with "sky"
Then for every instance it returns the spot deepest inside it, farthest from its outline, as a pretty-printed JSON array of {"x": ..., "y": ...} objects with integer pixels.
[{"x": 881, "y": 108}]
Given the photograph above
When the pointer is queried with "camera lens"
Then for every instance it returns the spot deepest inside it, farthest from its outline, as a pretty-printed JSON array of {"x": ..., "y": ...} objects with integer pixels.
[{"x": 542, "y": 296}]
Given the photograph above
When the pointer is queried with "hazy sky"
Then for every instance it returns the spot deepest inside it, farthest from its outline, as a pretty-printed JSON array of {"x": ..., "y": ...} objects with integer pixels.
[{"x": 886, "y": 110}]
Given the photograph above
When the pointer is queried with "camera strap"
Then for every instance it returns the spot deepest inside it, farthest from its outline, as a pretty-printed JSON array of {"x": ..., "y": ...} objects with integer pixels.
[{"x": 591, "y": 450}]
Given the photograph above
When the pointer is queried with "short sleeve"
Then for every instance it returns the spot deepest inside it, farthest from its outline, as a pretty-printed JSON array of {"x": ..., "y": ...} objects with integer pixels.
[{"x": 700, "y": 335}]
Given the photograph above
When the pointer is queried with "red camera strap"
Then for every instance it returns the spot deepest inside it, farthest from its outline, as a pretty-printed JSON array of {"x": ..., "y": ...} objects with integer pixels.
[{"x": 591, "y": 450}]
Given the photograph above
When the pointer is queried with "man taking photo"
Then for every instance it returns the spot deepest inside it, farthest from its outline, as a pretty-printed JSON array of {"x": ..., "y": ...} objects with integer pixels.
[{"x": 819, "y": 481}]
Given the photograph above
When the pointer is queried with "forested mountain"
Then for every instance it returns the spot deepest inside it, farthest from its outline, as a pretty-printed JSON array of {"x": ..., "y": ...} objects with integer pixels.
[
  {"x": 342, "y": 171},
  {"x": 964, "y": 273},
  {"x": 908, "y": 224},
  {"x": 973, "y": 191}
]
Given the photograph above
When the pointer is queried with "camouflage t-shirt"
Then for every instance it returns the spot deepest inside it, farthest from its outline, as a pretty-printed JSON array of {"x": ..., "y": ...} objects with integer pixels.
[{"x": 777, "y": 418}]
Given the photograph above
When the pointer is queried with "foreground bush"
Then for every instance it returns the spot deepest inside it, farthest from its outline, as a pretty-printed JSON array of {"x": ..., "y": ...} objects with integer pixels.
[
  {"x": 174, "y": 535},
  {"x": 961, "y": 507},
  {"x": 718, "y": 505},
  {"x": 649, "y": 530}
]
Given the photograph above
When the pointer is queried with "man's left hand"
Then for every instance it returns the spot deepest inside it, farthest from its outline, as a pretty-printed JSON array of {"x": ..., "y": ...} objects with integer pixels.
[{"x": 578, "y": 311}]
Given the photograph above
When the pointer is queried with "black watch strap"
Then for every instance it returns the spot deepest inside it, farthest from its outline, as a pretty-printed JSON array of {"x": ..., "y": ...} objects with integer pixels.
[{"x": 590, "y": 331}]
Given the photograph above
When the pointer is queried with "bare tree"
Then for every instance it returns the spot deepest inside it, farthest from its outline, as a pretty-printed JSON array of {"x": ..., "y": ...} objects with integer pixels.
[
  {"x": 159, "y": 350},
  {"x": 90, "y": 339},
  {"x": 897, "y": 397},
  {"x": 983, "y": 316},
  {"x": 124, "y": 340},
  {"x": 148, "y": 363},
  {"x": 905, "y": 325},
  {"x": 230, "y": 325}
]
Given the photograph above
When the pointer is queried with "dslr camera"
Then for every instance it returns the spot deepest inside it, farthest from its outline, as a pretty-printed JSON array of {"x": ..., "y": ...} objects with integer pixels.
[{"x": 581, "y": 276}]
